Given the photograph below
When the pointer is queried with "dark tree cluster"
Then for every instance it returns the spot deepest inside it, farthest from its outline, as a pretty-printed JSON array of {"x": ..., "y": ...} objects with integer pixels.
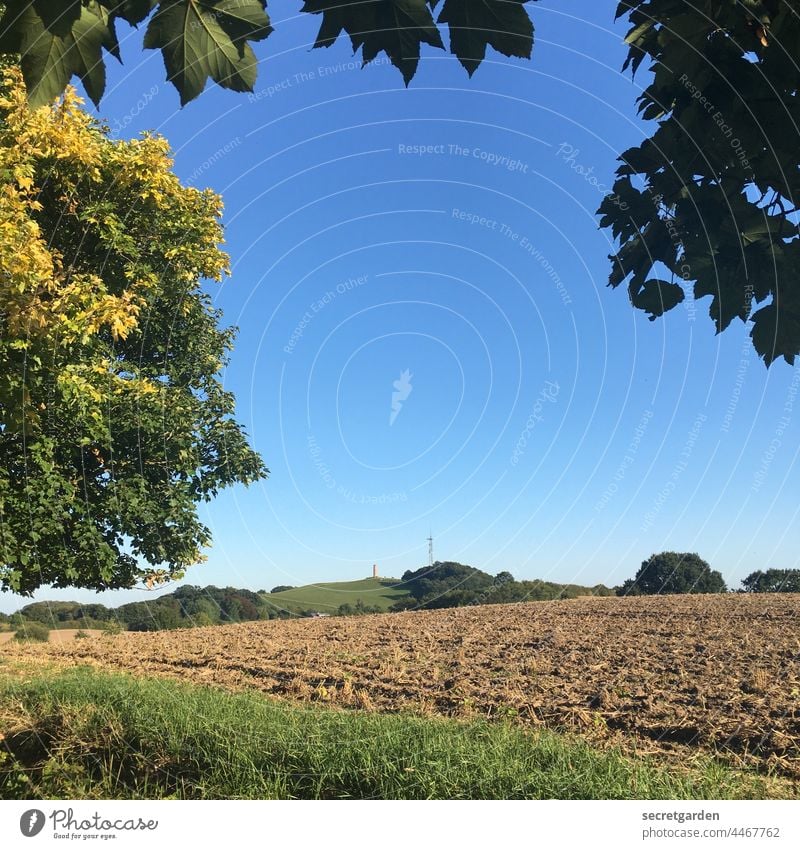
[
  {"x": 773, "y": 581},
  {"x": 670, "y": 573},
  {"x": 66, "y": 614},
  {"x": 450, "y": 584}
]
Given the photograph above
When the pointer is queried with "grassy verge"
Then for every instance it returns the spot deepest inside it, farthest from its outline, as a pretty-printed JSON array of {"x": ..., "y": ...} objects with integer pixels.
[{"x": 85, "y": 734}]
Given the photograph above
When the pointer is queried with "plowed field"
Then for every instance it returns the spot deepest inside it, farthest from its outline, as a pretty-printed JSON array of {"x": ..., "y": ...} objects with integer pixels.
[{"x": 673, "y": 675}]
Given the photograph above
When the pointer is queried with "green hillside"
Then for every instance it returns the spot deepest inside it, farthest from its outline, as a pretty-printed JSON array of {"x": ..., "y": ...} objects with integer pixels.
[{"x": 326, "y": 598}]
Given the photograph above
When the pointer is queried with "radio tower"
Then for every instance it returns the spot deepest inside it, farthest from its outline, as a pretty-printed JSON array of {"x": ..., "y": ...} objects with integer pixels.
[{"x": 430, "y": 549}]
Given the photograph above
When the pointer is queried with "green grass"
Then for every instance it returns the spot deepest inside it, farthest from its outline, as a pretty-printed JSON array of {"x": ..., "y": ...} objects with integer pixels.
[
  {"x": 85, "y": 734},
  {"x": 326, "y": 598}
]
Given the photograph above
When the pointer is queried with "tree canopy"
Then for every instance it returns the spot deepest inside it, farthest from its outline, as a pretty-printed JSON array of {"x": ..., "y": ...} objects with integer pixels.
[
  {"x": 772, "y": 581},
  {"x": 114, "y": 422},
  {"x": 671, "y": 573}
]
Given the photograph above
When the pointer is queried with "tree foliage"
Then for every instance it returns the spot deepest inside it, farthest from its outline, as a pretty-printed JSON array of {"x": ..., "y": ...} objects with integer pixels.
[
  {"x": 192, "y": 606},
  {"x": 212, "y": 39},
  {"x": 773, "y": 581},
  {"x": 113, "y": 421},
  {"x": 446, "y": 584},
  {"x": 670, "y": 573},
  {"x": 709, "y": 199}
]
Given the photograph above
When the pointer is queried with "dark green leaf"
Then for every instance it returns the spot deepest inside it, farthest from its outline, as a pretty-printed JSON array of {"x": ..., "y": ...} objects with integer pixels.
[
  {"x": 730, "y": 298},
  {"x": 635, "y": 34},
  {"x": 58, "y": 16},
  {"x": 208, "y": 39},
  {"x": 657, "y": 297},
  {"x": 776, "y": 333},
  {"x": 394, "y": 27},
  {"x": 722, "y": 165},
  {"x": 57, "y": 42},
  {"x": 474, "y": 24}
]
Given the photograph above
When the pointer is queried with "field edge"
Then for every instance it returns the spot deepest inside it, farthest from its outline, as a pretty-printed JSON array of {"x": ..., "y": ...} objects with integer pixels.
[{"x": 82, "y": 733}]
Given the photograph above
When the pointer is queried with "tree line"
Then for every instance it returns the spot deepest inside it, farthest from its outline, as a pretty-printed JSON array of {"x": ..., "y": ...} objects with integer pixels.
[
  {"x": 188, "y": 606},
  {"x": 445, "y": 584}
]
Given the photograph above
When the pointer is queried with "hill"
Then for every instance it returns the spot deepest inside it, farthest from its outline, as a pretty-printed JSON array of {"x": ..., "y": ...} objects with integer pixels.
[{"x": 379, "y": 593}]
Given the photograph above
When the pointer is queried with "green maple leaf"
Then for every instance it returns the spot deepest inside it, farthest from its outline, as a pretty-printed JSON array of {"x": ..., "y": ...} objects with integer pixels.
[
  {"x": 476, "y": 24},
  {"x": 208, "y": 39},
  {"x": 394, "y": 27},
  {"x": 57, "y": 41}
]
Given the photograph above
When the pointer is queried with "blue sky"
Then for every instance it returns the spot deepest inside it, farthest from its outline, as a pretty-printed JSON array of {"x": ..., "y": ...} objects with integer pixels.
[{"x": 448, "y": 231}]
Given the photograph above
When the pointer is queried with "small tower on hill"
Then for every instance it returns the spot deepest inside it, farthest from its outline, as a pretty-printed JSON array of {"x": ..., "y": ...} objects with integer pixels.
[{"x": 375, "y": 570}]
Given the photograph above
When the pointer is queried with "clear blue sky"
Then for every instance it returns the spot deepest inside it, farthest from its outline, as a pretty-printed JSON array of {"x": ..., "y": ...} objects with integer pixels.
[{"x": 546, "y": 427}]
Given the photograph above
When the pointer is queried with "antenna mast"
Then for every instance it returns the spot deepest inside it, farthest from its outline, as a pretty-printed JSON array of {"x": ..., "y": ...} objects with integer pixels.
[{"x": 430, "y": 549}]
